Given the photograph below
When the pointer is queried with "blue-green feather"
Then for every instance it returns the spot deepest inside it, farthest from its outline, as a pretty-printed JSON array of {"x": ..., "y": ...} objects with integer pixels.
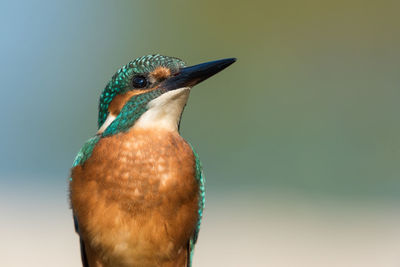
[
  {"x": 86, "y": 151},
  {"x": 201, "y": 181}
]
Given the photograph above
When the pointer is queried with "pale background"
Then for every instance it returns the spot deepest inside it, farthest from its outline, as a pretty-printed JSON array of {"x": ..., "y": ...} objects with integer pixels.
[{"x": 300, "y": 138}]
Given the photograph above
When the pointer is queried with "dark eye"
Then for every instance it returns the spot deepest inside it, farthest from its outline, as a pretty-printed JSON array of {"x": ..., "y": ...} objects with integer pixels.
[{"x": 139, "y": 82}]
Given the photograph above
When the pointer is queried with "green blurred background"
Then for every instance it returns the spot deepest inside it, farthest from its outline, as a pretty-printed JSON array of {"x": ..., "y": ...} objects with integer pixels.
[{"x": 299, "y": 139}]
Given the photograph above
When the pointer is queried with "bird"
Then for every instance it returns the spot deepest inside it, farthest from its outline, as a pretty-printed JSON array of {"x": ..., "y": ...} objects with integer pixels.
[{"x": 136, "y": 187}]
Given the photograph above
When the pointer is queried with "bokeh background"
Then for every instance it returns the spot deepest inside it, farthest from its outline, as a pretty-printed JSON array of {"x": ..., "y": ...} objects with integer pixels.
[{"x": 300, "y": 138}]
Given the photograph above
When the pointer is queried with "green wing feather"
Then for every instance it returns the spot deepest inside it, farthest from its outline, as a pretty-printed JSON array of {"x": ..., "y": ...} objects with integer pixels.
[
  {"x": 200, "y": 179},
  {"x": 81, "y": 157},
  {"x": 86, "y": 151}
]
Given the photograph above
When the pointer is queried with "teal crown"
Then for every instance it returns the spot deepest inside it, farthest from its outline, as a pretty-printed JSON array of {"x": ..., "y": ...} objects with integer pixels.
[{"x": 120, "y": 82}]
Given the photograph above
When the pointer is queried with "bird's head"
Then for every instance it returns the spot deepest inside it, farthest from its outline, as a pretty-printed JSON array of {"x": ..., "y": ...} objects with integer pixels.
[{"x": 151, "y": 91}]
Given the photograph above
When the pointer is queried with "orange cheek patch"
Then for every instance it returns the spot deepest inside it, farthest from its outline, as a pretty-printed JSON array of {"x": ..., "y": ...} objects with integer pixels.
[
  {"x": 119, "y": 101},
  {"x": 161, "y": 73}
]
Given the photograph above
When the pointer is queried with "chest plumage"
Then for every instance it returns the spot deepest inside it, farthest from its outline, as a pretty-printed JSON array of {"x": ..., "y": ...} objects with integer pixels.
[{"x": 136, "y": 198}]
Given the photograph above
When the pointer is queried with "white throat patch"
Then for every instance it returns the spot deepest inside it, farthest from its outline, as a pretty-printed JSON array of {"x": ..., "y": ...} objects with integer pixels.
[
  {"x": 107, "y": 122},
  {"x": 165, "y": 110}
]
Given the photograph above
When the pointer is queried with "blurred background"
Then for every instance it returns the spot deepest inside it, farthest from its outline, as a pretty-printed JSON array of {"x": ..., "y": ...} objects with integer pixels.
[{"x": 299, "y": 139}]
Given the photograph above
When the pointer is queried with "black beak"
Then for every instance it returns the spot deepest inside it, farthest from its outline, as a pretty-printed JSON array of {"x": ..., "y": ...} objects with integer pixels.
[{"x": 190, "y": 76}]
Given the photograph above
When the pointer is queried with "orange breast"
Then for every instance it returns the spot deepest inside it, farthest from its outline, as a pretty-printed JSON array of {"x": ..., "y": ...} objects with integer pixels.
[{"x": 136, "y": 198}]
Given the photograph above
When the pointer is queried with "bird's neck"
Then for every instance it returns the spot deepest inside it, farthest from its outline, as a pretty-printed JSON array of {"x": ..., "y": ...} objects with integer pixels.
[{"x": 163, "y": 112}]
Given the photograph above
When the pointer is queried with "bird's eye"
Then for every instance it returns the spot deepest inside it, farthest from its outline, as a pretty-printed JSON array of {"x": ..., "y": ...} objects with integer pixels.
[{"x": 139, "y": 82}]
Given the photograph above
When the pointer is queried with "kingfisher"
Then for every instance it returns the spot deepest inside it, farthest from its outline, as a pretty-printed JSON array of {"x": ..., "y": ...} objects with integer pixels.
[{"x": 137, "y": 187}]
